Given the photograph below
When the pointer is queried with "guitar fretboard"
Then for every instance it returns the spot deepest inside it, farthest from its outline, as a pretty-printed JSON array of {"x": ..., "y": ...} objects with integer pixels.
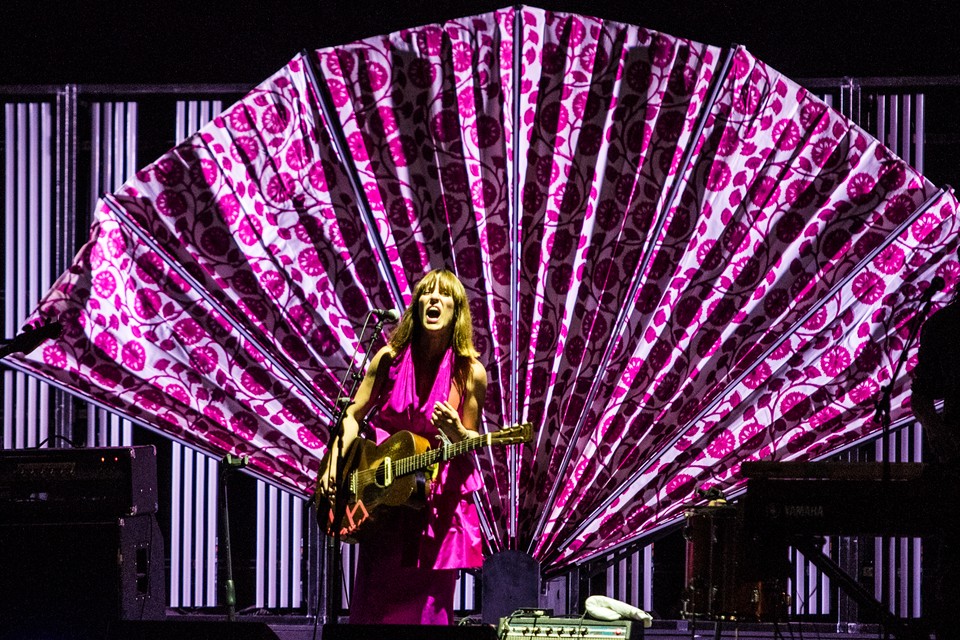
[{"x": 415, "y": 463}]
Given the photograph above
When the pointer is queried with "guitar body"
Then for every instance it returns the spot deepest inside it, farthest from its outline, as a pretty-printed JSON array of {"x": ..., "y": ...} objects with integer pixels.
[
  {"x": 370, "y": 485},
  {"x": 397, "y": 473}
]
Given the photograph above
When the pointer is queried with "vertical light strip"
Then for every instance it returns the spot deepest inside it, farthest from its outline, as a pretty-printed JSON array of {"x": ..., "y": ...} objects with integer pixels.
[
  {"x": 918, "y": 131},
  {"x": 260, "y": 595},
  {"x": 272, "y": 547},
  {"x": 176, "y": 523},
  {"x": 24, "y": 436},
  {"x": 186, "y": 506},
  {"x": 648, "y": 577},
  {"x": 210, "y": 556},
  {"x": 199, "y": 509},
  {"x": 9, "y": 218},
  {"x": 28, "y": 252},
  {"x": 298, "y": 543},
  {"x": 284, "y": 522}
]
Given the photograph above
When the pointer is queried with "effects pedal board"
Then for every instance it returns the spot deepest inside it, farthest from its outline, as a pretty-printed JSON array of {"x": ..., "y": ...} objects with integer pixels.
[{"x": 526, "y": 627}]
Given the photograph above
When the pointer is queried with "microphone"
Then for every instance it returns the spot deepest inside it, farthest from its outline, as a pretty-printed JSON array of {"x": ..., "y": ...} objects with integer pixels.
[
  {"x": 31, "y": 338},
  {"x": 936, "y": 284},
  {"x": 386, "y": 315}
]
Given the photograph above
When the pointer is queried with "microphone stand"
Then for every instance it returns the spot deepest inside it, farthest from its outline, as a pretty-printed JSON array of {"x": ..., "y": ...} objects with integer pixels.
[
  {"x": 228, "y": 464},
  {"x": 344, "y": 400},
  {"x": 882, "y": 415}
]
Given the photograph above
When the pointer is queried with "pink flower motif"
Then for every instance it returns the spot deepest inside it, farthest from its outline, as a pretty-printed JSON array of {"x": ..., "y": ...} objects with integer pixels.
[
  {"x": 215, "y": 241},
  {"x": 729, "y": 142},
  {"x": 799, "y": 193},
  {"x": 446, "y": 126},
  {"x": 249, "y": 230},
  {"x": 741, "y": 64},
  {"x": 554, "y": 117},
  {"x": 748, "y": 432},
  {"x": 822, "y": 151},
  {"x": 430, "y": 40},
  {"x": 204, "y": 173},
  {"x": 865, "y": 392},
  {"x": 763, "y": 189},
  {"x": 133, "y": 355},
  {"x": 747, "y": 101},
  {"x": 795, "y": 406},
  {"x": 244, "y": 425},
  {"x": 338, "y": 92},
  {"x": 422, "y": 73},
  {"x": 462, "y": 56},
  {"x": 824, "y": 417},
  {"x": 719, "y": 176},
  {"x": 215, "y": 415},
  {"x": 680, "y": 486},
  {"x": 254, "y": 381},
  {"x": 107, "y": 344},
  {"x": 168, "y": 172},
  {"x": 241, "y": 118},
  {"x": 171, "y": 203},
  {"x": 487, "y": 131},
  {"x": 54, "y": 356},
  {"x": 811, "y": 117},
  {"x": 309, "y": 262},
  {"x": 639, "y": 76},
  {"x": 280, "y": 187},
  {"x": 275, "y": 118},
  {"x": 189, "y": 331},
  {"x": 318, "y": 176},
  {"x": 860, "y": 188},
  {"x": 298, "y": 155},
  {"x": 759, "y": 375},
  {"x": 273, "y": 284},
  {"x": 203, "y": 359},
  {"x": 835, "y": 361},
  {"x": 924, "y": 227},
  {"x": 890, "y": 260},
  {"x": 229, "y": 208},
  {"x": 308, "y": 438},
  {"x": 104, "y": 284},
  {"x": 178, "y": 393},
  {"x": 484, "y": 193},
  {"x": 868, "y": 287},
  {"x": 376, "y": 76},
  {"x": 106, "y": 375},
  {"x": 722, "y": 445},
  {"x": 661, "y": 50},
  {"x": 787, "y": 134}
]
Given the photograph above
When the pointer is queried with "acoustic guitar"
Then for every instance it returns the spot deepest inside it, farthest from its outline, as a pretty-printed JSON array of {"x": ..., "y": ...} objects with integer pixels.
[{"x": 395, "y": 473}]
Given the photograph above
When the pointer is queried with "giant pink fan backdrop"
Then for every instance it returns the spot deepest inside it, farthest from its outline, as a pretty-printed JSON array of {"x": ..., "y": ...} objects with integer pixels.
[{"x": 678, "y": 260}]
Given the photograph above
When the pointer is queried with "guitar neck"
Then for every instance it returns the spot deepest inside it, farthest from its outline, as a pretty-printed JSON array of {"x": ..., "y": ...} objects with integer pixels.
[{"x": 421, "y": 461}]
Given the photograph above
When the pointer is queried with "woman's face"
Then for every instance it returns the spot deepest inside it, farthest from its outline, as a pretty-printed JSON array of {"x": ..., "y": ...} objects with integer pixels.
[{"x": 436, "y": 309}]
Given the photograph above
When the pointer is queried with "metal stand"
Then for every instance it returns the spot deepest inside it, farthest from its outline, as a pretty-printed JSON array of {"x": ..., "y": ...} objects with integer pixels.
[{"x": 228, "y": 464}]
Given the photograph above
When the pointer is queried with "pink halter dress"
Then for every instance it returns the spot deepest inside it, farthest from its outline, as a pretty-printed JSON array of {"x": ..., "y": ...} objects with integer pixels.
[{"x": 407, "y": 574}]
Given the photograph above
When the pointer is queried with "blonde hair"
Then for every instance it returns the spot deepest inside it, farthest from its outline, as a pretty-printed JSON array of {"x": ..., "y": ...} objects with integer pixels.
[{"x": 410, "y": 327}]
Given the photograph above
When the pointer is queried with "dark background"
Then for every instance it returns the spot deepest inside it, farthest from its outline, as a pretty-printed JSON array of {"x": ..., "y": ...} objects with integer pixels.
[{"x": 179, "y": 41}]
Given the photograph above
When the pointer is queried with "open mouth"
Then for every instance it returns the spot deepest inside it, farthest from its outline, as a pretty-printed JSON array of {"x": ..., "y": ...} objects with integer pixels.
[{"x": 433, "y": 313}]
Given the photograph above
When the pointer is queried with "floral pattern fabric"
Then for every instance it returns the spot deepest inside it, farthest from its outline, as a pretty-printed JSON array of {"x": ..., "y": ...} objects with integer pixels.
[{"x": 677, "y": 259}]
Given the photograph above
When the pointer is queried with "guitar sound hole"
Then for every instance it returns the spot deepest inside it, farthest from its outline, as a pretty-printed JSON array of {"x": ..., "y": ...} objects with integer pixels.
[{"x": 380, "y": 476}]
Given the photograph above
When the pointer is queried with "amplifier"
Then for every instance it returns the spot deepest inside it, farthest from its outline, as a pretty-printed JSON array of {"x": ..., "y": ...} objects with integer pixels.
[
  {"x": 522, "y": 628},
  {"x": 77, "y": 485}
]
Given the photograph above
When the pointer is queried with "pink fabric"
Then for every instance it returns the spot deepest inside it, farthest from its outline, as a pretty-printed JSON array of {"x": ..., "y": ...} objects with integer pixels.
[
  {"x": 678, "y": 336},
  {"x": 405, "y": 577}
]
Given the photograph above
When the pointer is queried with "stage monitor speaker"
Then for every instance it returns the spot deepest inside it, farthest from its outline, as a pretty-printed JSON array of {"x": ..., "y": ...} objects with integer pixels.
[
  {"x": 82, "y": 572},
  {"x": 407, "y": 632},
  {"x": 511, "y": 581},
  {"x": 191, "y": 630}
]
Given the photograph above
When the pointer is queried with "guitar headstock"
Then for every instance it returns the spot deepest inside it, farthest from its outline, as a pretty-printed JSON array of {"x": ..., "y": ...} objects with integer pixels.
[{"x": 517, "y": 434}]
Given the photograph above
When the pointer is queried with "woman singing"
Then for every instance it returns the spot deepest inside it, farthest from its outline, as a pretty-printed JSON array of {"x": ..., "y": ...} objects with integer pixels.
[{"x": 427, "y": 380}]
